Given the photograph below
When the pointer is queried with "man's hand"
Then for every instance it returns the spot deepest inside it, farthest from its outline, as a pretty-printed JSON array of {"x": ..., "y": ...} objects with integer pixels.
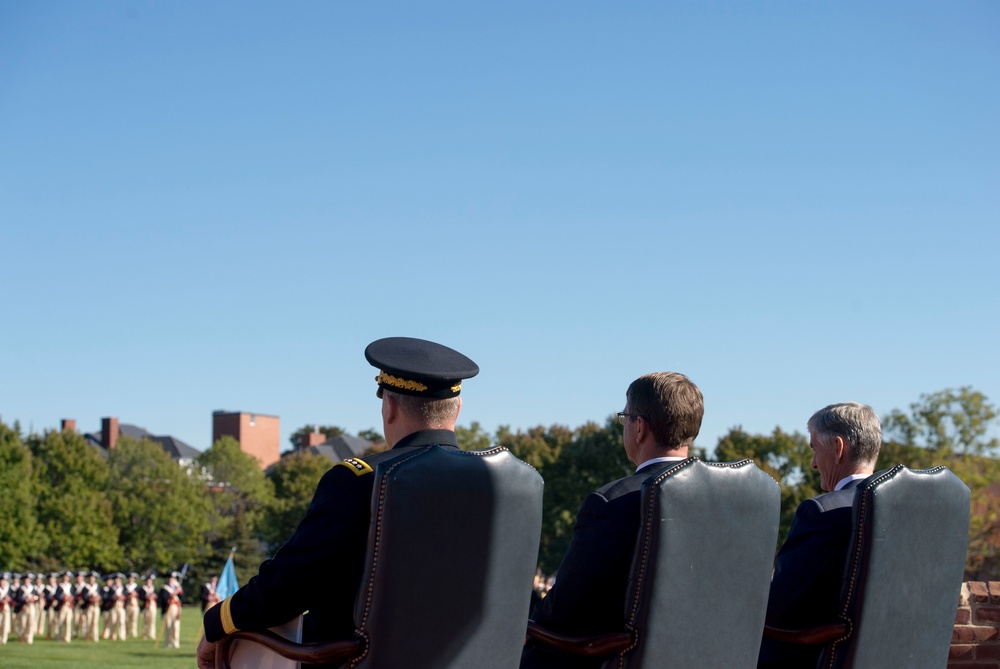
[{"x": 206, "y": 654}]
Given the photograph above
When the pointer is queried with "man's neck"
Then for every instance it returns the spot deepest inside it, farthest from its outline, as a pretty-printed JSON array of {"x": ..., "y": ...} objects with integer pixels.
[{"x": 655, "y": 461}]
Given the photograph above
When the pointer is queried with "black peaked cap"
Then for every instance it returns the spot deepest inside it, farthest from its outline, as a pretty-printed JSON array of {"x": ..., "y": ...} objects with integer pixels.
[{"x": 419, "y": 367}]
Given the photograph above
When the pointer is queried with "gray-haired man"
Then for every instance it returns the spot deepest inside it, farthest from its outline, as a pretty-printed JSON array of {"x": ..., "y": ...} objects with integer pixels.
[{"x": 805, "y": 588}]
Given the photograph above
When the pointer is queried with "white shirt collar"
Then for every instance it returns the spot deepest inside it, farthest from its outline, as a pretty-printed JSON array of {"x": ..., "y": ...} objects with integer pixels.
[
  {"x": 847, "y": 479},
  {"x": 653, "y": 461}
]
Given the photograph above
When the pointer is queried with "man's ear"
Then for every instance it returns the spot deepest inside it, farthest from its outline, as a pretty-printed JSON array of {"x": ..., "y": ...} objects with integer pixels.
[
  {"x": 642, "y": 432},
  {"x": 390, "y": 409},
  {"x": 459, "y": 409},
  {"x": 840, "y": 447}
]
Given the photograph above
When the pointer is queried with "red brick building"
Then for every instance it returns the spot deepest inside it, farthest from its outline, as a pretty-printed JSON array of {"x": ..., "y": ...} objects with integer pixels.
[{"x": 259, "y": 434}]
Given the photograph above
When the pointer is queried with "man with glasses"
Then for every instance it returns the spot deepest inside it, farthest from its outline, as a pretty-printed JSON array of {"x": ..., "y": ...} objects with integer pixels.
[{"x": 662, "y": 417}]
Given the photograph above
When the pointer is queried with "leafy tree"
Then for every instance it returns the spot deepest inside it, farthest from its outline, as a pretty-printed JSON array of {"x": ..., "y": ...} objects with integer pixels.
[
  {"x": 951, "y": 428},
  {"x": 539, "y": 446},
  {"x": 948, "y": 421},
  {"x": 239, "y": 495},
  {"x": 594, "y": 457},
  {"x": 786, "y": 457},
  {"x": 21, "y": 538},
  {"x": 372, "y": 435},
  {"x": 294, "y": 478},
  {"x": 472, "y": 438},
  {"x": 161, "y": 512},
  {"x": 329, "y": 431},
  {"x": 71, "y": 484},
  {"x": 574, "y": 464}
]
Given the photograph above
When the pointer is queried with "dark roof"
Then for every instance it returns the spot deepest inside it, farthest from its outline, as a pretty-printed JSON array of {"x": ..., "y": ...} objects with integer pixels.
[
  {"x": 176, "y": 448},
  {"x": 337, "y": 449},
  {"x": 133, "y": 431},
  {"x": 172, "y": 446},
  {"x": 356, "y": 445}
]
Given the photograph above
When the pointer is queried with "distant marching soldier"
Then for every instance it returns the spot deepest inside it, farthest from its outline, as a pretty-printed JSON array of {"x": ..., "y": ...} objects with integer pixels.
[
  {"x": 209, "y": 594},
  {"x": 132, "y": 605},
  {"x": 39, "y": 613},
  {"x": 26, "y": 616},
  {"x": 107, "y": 605},
  {"x": 170, "y": 604},
  {"x": 92, "y": 599},
  {"x": 148, "y": 596},
  {"x": 50, "y": 609},
  {"x": 16, "y": 604},
  {"x": 5, "y": 604},
  {"x": 80, "y": 604},
  {"x": 118, "y": 609},
  {"x": 63, "y": 601}
]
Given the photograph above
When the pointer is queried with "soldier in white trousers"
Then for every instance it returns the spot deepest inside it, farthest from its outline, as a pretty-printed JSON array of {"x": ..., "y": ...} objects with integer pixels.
[
  {"x": 62, "y": 605},
  {"x": 92, "y": 602},
  {"x": 147, "y": 595},
  {"x": 132, "y": 605},
  {"x": 6, "y": 601},
  {"x": 170, "y": 604},
  {"x": 26, "y": 615}
]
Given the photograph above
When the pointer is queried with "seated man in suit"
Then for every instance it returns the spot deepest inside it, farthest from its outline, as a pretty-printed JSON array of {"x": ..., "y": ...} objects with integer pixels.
[
  {"x": 662, "y": 417},
  {"x": 805, "y": 587},
  {"x": 419, "y": 385}
]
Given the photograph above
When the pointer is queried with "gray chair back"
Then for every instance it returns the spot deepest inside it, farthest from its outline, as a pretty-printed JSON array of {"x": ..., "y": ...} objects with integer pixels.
[
  {"x": 702, "y": 569},
  {"x": 452, "y": 552},
  {"x": 904, "y": 570}
]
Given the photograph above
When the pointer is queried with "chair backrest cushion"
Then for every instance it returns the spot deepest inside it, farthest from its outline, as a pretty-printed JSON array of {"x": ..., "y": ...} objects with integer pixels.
[
  {"x": 452, "y": 552},
  {"x": 904, "y": 570},
  {"x": 702, "y": 568}
]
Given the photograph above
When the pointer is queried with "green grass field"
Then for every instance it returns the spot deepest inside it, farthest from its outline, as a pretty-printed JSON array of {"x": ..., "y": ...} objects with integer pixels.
[{"x": 130, "y": 654}]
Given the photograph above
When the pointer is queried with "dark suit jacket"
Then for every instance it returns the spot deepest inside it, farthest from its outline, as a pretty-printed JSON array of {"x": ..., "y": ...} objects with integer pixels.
[
  {"x": 808, "y": 570},
  {"x": 320, "y": 568},
  {"x": 589, "y": 593}
]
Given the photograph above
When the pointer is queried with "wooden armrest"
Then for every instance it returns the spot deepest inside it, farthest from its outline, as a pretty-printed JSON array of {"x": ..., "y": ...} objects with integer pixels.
[
  {"x": 809, "y": 636},
  {"x": 326, "y": 652},
  {"x": 589, "y": 646}
]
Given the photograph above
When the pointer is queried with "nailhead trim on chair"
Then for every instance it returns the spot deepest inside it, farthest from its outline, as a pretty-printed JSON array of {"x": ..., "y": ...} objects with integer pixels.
[
  {"x": 646, "y": 532},
  {"x": 377, "y": 544},
  {"x": 867, "y": 486}
]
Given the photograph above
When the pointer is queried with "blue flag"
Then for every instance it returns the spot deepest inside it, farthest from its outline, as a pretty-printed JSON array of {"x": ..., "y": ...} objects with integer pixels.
[{"x": 227, "y": 582}]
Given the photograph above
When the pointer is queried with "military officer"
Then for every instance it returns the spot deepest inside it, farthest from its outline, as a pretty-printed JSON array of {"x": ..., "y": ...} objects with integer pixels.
[
  {"x": 63, "y": 599},
  {"x": 79, "y": 603},
  {"x": 6, "y": 602},
  {"x": 209, "y": 597},
  {"x": 92, "y": 607},
  {"x": 132, "y": 605},
  {"x": 419, "y": 384},
  {"x": 107, "y": 605},
  {"x": 170, "y": 605},
  {"x": 47, "y": 623},
  {"x": 147, "y": 595},
  {"x": 28, "y": 597}
]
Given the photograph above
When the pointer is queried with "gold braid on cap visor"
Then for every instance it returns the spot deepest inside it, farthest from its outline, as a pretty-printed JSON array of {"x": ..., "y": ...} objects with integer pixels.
[{"x": 407, "y": 384}]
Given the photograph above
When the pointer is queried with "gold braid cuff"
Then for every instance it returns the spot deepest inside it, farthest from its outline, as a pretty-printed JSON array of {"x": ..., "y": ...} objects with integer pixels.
[{"x": 227, "y": 617}]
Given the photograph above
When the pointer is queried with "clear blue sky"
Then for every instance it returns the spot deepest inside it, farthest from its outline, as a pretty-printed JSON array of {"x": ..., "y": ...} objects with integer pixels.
[{"x": 219, "y": 205}]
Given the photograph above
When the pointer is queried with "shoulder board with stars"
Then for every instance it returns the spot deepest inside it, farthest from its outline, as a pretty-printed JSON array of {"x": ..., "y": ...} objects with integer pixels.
[{"x": 359, "y": 467}]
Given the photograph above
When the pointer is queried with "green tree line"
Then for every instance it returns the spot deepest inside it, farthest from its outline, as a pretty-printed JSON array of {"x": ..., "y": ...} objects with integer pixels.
[{"x": 66, "y": 504}]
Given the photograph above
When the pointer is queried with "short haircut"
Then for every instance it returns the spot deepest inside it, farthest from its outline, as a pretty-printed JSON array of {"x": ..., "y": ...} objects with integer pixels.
[
  {"x": 853, "y": 422},
  {"x": 671, "y": 404},
  {"x": 435, "y": 413}
]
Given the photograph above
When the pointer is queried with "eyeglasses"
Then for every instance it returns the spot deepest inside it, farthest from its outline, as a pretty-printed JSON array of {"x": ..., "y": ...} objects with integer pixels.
[{"x": 621, "y": 416}]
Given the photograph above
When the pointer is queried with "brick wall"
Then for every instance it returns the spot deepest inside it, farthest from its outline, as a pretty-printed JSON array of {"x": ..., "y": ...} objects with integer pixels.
[{"x": 975, "y": 643}]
